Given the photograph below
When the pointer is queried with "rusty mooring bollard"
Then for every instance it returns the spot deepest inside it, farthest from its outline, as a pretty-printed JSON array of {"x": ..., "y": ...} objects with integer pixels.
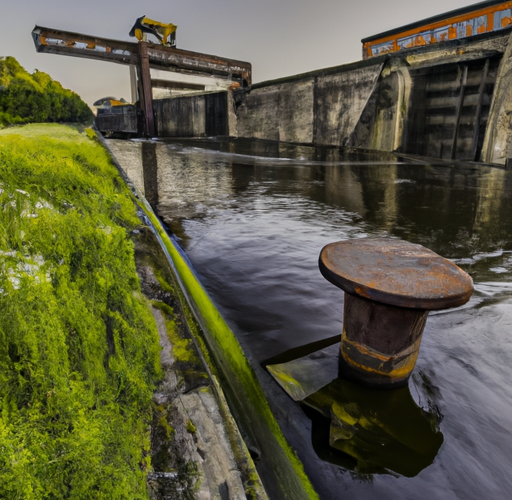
[{"x": 390, "y": 286}]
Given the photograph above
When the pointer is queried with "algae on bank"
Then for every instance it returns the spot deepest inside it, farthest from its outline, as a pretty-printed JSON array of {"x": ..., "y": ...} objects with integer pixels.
[
  {"x": 79, "y": 354},
  {"x": 281, "y": 469},
  {"x": 197, "y": 451}
]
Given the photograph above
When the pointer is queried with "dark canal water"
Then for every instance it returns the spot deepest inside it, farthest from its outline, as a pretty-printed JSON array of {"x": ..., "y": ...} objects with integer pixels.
[{"x": 253, "y": 216}]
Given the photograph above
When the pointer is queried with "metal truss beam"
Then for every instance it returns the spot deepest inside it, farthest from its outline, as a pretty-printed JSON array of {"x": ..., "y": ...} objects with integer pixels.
[{"x": 60, "y": 42}]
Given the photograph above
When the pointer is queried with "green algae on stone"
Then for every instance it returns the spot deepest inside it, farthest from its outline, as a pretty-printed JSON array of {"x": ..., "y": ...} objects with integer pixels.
[
  {"x": 293, "y": 479},
  {"x": 79, "y": 353},
  {"x": 191, "y": 428},
  {"x": 182, "y": 348}
]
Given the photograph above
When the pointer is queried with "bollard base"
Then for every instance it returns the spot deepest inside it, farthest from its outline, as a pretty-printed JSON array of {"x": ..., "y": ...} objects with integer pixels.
[
  {"x": 380, "y": 343},
  {"x": 347, "y": 371},
  {"x": 390, "y": 285}
]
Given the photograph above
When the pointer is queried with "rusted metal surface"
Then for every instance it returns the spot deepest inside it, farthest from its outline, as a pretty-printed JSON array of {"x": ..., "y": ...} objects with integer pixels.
[
  {"x": 390, "y": 287},
  {"x": 477, "y": 19},
  {"x": 193, "y": 62},
  {"x": 54, "y": 41},
  {"x": 145, "y": 90},
  {"x": 395, "y": 272},
  {"x": 380, "y": 343},
  {"x": 168, "y": 84}
]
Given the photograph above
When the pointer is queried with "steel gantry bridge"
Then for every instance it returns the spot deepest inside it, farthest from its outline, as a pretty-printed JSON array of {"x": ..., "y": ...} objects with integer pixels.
[{"x": 144, "y": 56}]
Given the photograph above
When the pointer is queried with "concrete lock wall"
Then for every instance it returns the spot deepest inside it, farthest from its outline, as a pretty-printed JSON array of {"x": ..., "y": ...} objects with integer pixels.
[
  {"x": 498, "y": 138},
  {"x": 451, "y": 101},
  {"x": 316, "y": 108},
  {"x": 203, "y": 115}
]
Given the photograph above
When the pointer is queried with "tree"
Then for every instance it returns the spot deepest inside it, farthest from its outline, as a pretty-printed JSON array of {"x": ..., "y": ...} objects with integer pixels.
[{"x": 35, "y": 97}]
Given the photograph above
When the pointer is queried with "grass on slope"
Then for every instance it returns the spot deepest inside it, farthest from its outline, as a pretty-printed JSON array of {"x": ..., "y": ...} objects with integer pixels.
[{"x": 79, "y": 351}]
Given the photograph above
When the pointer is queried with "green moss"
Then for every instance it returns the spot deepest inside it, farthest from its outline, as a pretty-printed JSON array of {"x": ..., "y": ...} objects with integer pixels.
[
  {"x": 191, "y": 427},
  {"x": 238, "y": 364},
  {"x": 251, "y": 494},
  {"x": 91, "y": 134},
  {"x": 166, "y": 287},
  {"x": 164, "y": 424},
  {"x": 183, "y": 349},
  {"x": 192, "y": 325},
  {"x": 162, "y": 434},
  {"x": 79, "y": 353}
]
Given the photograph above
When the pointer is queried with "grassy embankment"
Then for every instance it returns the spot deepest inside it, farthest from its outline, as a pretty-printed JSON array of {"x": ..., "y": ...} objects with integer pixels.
[{"x": 79, "y": 351}]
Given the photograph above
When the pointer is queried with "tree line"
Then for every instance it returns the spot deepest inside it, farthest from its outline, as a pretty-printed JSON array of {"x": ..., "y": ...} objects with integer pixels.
[{"x": 36, "y": 98}]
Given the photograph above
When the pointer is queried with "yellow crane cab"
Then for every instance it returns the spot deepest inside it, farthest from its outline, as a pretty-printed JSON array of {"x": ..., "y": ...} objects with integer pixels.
[{"x": 165, "y": 33}]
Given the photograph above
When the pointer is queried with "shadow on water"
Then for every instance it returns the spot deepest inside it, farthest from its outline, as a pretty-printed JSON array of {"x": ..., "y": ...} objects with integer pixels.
[
  {"x": 383, "y": 431},
  {"x": 150, "y": 172},
  {"x": 365, "y": 430},
  {"x": 252, "y": 217}
]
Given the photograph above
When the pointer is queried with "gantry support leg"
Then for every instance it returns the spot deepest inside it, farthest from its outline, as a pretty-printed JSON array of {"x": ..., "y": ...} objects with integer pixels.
[{"x": 145, "y": 91}]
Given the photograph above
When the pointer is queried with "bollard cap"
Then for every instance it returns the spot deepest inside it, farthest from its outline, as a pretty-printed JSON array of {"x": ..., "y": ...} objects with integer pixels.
[{"x": 396, "y": 273}]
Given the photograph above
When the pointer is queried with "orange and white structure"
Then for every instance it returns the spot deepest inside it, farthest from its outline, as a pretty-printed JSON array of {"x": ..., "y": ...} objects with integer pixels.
[{"x": 476, "y": 19}]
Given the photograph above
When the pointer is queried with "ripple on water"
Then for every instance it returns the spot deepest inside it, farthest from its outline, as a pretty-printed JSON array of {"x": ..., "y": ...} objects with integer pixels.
[{"x": 253, "y": 217}]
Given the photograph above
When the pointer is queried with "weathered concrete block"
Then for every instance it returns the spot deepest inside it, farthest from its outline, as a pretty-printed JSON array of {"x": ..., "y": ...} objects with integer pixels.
[
  {"x": 315, "y": 109},
  {"x": 279, "y": 113},
  {"x": 257, "y": 116},
  {"x": 180, "y": 117},
  {"x": 192, "y": 116},
  {"x": 497, "y": 146},
  {"x": 377, "y": 127},
  {"x": 296, "y": 112},
  {"x": 340, "y": 98}
]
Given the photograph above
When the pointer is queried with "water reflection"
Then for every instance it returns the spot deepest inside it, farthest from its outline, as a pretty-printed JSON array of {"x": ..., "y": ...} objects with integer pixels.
[
  {"x": 366, "y": 430},
  {"x": 382, "y": 430},
  {"x": 253, "y": 216}
]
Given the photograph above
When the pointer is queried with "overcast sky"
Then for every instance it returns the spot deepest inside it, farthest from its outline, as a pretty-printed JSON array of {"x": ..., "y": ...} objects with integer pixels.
[{"x": 279, "y": 37}]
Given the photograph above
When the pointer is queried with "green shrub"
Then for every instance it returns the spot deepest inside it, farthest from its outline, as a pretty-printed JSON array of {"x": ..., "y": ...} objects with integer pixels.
[
  {"x": 36, "y": 98},
  {"x": 79, "y": 353}
]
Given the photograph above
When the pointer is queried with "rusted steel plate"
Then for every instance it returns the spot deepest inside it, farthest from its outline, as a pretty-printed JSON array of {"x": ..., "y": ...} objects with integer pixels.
[
  {"x": 169, "y": 84},
  {"x": 172, "y": 59},
  {"x": 395, "y": 272},
  {"x": 68, "y": 43}
]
